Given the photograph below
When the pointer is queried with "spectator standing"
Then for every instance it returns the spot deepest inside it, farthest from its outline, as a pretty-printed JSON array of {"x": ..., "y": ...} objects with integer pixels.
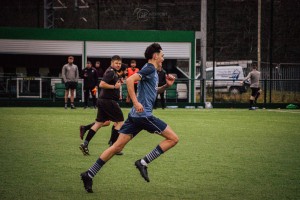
[
  {"x": 254, "y": 77},
  {"x": 70, "y": 76},
  {"x": 90, "y": 81},
  {"x": 161, "y": 81},
  {"x": 100, "y": 72},
  {"x": 130, "y": 71},
  {"x": 99, "y": 69}
]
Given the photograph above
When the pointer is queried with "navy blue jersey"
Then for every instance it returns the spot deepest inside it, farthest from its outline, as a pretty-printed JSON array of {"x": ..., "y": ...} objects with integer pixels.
[{"x": 147, "y": 90}]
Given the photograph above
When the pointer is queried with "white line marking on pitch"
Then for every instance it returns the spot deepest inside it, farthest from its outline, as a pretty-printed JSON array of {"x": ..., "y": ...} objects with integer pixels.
[{"x": 296, "y": 112}]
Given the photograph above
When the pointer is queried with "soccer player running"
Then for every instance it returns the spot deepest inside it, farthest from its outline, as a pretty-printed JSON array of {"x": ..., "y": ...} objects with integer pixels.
[
  {"x": 108, "y": 107},
  {"x": 114, "y": 132},
  {"x": 140, "y": 117}
]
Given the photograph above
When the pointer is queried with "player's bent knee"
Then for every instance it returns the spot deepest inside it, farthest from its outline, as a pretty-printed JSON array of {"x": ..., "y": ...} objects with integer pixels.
[
  {"x": 170, "y": 135},
  {"x": 117, "y": 148},
  {"x": 175, "y": 140}
]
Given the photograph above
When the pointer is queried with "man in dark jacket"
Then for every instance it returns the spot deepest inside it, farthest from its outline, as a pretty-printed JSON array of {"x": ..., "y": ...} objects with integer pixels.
[
  {"x": 90, "y": 78},
  {"x": 161, "y": 81},
  {"x": 100, "y": 70}
]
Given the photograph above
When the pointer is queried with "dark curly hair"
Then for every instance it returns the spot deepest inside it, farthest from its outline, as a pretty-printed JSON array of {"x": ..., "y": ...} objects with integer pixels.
[{"x": 153, "y": 48}]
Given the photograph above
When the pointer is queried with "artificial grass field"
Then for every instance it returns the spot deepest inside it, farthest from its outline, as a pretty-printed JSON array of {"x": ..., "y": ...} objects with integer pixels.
[{"x": 222, "y": 154}]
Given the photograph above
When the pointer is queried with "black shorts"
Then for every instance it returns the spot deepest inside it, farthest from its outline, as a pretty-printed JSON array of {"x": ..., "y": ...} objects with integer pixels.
[
  {"x": 254, "y": 91},
  {"x": 71, "y": 85},
  {"x": 109, "y": 110},
  {"x": 133, "y": 125}
]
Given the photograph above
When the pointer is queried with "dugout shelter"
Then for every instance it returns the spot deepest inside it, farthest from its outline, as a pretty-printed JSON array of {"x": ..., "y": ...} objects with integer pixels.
[{"x": 41, "y": 53}]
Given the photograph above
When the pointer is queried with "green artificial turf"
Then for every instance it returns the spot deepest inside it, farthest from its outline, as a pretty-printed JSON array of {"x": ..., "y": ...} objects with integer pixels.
[{"x": 221, "y": 154}]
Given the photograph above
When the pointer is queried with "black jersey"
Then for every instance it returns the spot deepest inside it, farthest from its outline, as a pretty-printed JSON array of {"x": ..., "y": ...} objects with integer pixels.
[{"x": 110, "y": 77}]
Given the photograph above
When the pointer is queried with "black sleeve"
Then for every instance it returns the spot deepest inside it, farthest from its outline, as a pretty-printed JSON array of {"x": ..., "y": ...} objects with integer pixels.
[
  {"x": 108, "y": 76},
  {"x": 164, "y": 77},
  {"x": 96, "y": 78},
  {"x": 81, "y": 74}
]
